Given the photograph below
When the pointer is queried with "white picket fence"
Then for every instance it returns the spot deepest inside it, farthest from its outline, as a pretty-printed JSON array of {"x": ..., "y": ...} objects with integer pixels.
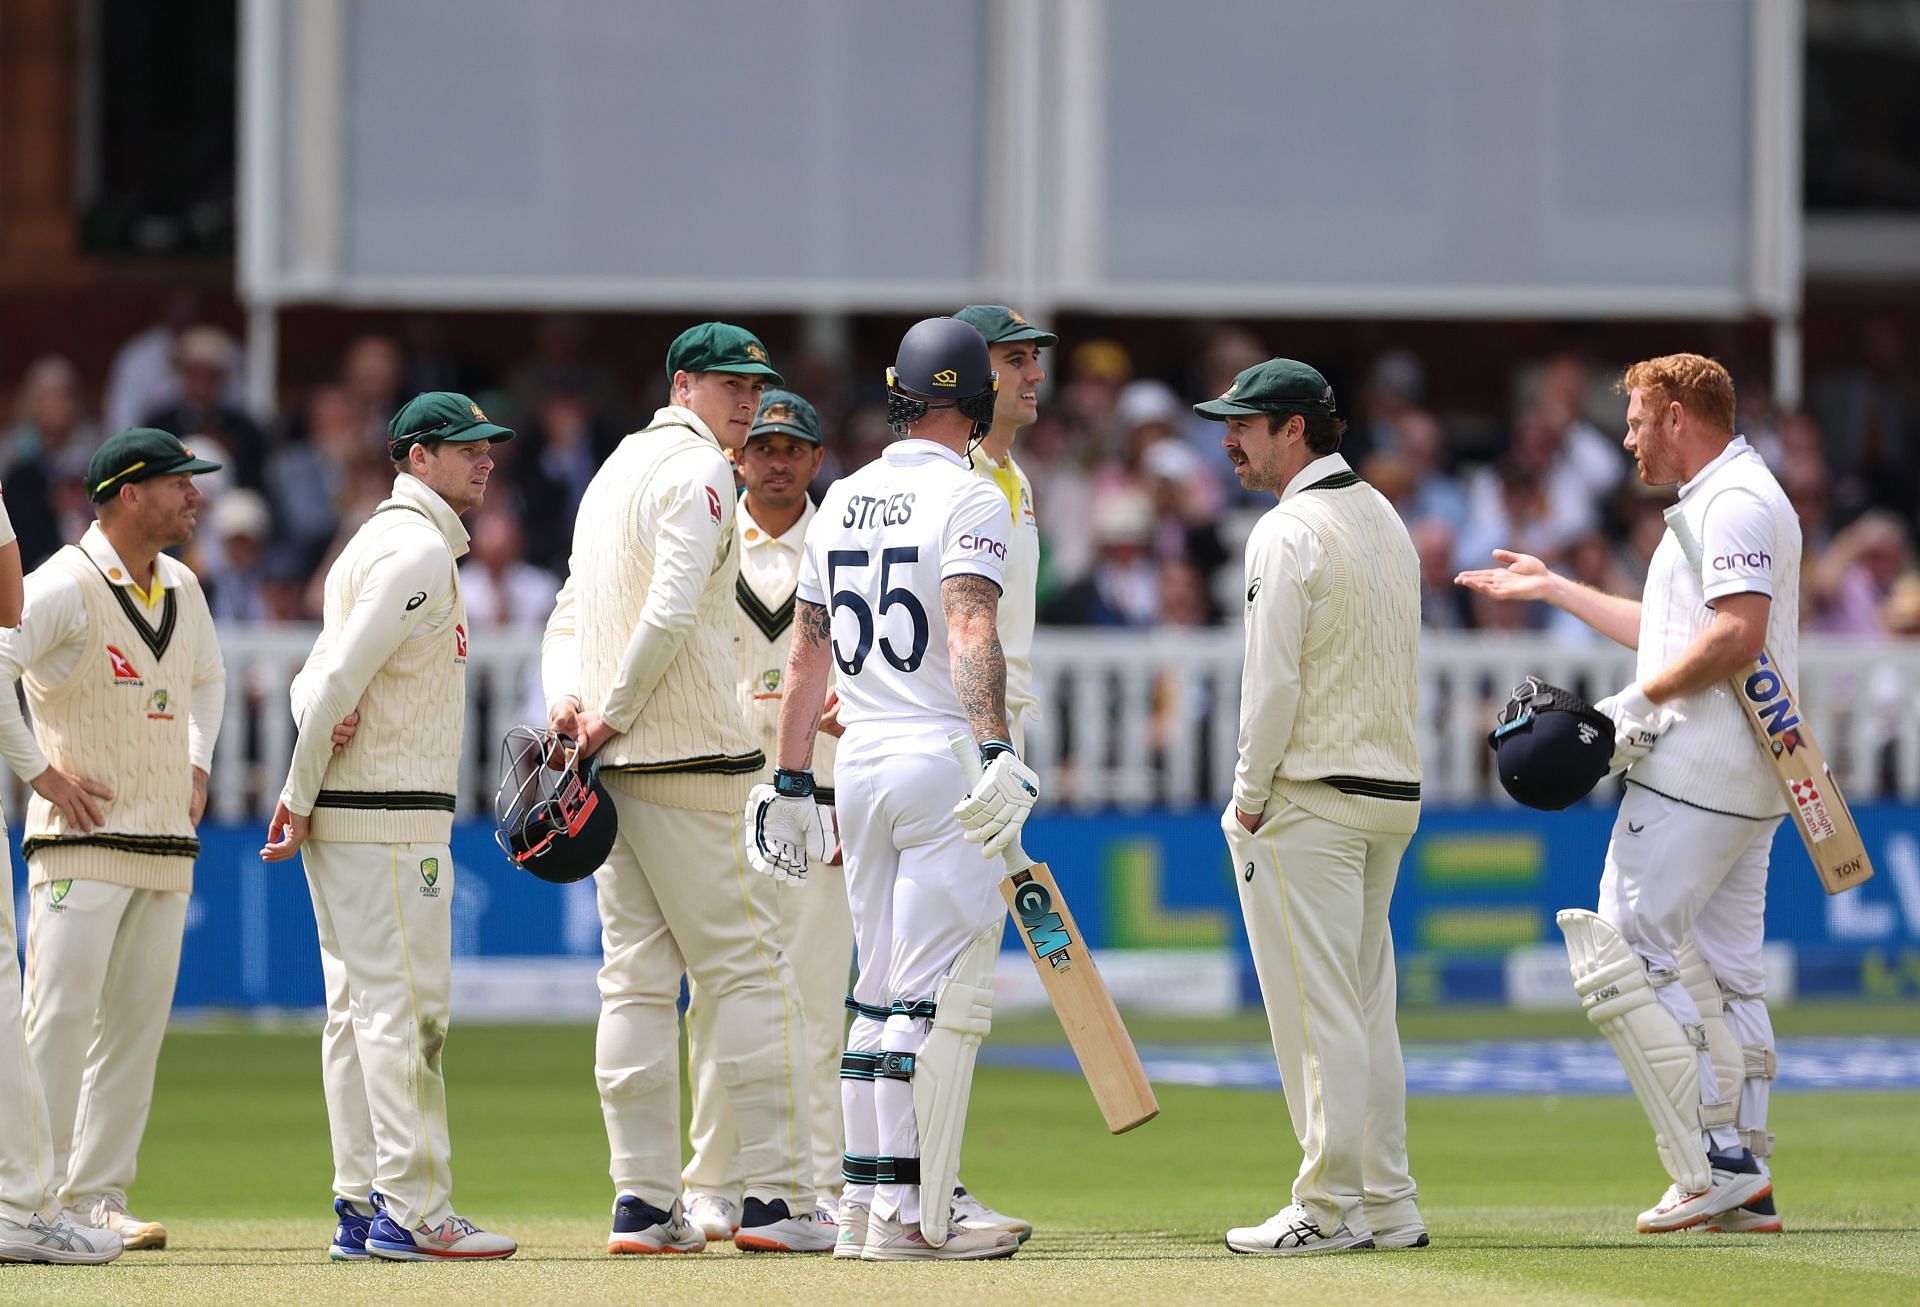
[{"x": 1136, "y": 719}]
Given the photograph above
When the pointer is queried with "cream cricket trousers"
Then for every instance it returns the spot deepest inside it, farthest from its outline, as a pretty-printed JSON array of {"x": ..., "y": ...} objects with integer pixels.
[
  {"x": 815, "y": 931},
  {"x": 101, "y": 962},
  {"x": 1315, "y": 894},
  {"x": 1674, "y": 871},
  {"x": 676, "y": 897},
  {"x": 27, "y": 1179},
  {"x": 385, "y": 918}
]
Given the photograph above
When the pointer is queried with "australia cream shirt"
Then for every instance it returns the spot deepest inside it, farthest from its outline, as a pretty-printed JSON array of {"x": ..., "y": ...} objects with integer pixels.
[
  {"x": 107, "y": 705},
  {"x": 1330, "y": 689},
  {"x": 763, "y": 633},
  {"x": 1020, "y": 589}
]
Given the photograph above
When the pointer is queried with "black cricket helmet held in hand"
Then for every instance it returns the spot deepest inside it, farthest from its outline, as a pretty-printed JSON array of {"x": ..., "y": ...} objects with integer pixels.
[
  {"x": 1550, "y": 746},
  {"x": 556, "y": 818},
  {"x": 941, "y": 363}
]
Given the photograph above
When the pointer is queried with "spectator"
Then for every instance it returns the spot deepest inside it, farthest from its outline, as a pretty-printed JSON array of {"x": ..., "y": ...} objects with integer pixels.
[
  {"x": 1851, "y": 582},
  {"x": 1433, "y": 493},
  {"x": 1097, "y": 371},
  {"x": 205, "y": 358},
  {"x": 1063, "y": 489},
  {"x": 1183, "y": 528},
  {"x": 1395, "y": 390},
  {"x": 1124, "y": 587},
  {"x": 308, "y": 480},
  {"x": 235, "y": 576},
  {"x": 1869, "y": 411},
  {"x": 1441, "y": 606},
  {"x": 1591, "y": 561},
  {"x": 44, "y": 460},
  {"x": 502, "y": 590},
  {"x": 568, "y": 442},
  {"x": 1507, "y": 509},
  {"x": 373, "y": 371},
  {"x": 142, "y": 378}
]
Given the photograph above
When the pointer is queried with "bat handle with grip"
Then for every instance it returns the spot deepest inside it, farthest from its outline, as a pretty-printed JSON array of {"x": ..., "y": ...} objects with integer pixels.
[
  {"x": 968, "y": 756},
  {"x": 1683, "y": 535}
]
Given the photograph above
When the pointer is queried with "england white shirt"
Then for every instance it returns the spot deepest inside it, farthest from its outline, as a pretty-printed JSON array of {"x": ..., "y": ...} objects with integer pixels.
[
  {"x": 881, "y": 543},
  {"x": 1749, "y": 544}
]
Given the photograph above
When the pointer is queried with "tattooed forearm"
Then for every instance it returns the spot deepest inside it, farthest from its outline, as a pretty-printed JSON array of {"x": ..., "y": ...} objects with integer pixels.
[
  {"x": 972, "y": 606},
  {"x": 804, "y": 690}
]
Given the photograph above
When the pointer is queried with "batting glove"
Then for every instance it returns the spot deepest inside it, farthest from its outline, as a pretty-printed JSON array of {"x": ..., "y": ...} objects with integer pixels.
[
  {"x": 784, "y": 831},
  {"x": 994, "y": 812},
  {"x": 1637, "y": 723}
]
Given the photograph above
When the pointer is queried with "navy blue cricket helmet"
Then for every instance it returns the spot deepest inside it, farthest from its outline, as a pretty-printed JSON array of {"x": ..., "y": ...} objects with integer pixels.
[{"x": 1551, "y": 747}]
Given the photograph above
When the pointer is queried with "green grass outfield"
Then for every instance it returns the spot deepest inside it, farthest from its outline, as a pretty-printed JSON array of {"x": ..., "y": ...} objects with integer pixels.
[{"x": 1529, "y": 1199}]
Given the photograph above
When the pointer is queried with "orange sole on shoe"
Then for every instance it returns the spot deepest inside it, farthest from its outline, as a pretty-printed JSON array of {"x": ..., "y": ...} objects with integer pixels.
[
  {"x": 753, "y": 1244},
  {"x": 615, "y": 1248}
]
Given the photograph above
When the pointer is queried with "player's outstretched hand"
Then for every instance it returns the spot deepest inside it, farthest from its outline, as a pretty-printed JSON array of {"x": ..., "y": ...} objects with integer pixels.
[
  {"x": 994, "y": 812},
  {"x": 783, "y": 834},
  {"x": 1519, "y": 576},
  {"x": 285, "y": 834},
  {"x": 1638, "y": 722}
]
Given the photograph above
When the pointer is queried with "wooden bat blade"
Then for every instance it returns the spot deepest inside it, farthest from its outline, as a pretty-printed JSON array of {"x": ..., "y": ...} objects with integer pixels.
[{"x": 1080, "y": 998}]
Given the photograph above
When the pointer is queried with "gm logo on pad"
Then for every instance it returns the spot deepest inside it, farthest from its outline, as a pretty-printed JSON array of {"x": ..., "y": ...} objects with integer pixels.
[{"x": 946, "y": 377}]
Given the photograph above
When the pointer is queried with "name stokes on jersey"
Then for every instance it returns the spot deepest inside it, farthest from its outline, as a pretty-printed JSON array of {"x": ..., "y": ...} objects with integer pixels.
[{"x": 867, "y": 511}]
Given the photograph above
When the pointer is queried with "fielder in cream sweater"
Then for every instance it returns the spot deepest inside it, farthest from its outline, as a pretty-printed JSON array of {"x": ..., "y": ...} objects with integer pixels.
[
  {"x": 1325, "y": 800},
  {"x": 638, "y": 667},
  {"x": 369, "y": 799},
  {"x": 117, "y": 652}
]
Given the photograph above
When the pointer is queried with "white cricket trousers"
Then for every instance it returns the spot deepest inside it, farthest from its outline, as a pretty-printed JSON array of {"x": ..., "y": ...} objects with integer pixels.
[
  {"x": 676, "y": 897},
  {"x": 101, "y": 964},
  {"x": 815, "y": 931},
  {"x": 28, "y": 1183},
  {"x": 1674, "y": 870},
  {"x": 919, "y": 893},
  {"x": 385, "y": 918},
  {"x": 1315, "y": 895}
]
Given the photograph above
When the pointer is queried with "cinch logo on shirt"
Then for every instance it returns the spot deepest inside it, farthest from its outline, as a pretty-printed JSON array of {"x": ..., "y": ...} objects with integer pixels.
[
  {"x": 123, "y": 672},
  {"x": 977, "y": 543},
  {"x": 1752, "y": 558}
]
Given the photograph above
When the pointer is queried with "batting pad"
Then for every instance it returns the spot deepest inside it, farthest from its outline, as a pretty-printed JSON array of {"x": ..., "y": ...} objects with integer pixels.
[
  {"x": 943, "y": 1076},
  {"x": 1661, "y": 1063},
  {"x": 1729, "y": 1065}
]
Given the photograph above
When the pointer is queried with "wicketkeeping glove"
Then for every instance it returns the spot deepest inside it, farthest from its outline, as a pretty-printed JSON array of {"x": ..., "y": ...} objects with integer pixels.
[
  {"x": 783, "y": 833},
  {"x": 1001, "y": 799},
  {"x": 1637, "y": 723}
]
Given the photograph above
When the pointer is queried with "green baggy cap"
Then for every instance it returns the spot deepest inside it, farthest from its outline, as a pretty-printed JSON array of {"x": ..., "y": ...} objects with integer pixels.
[
  {"x": 784, "y": 413},
  {"x": 1276, "y": 386},
  {"x": 1000, "y": 325},
  {"x": 139, "y": 454},
  {"x": 720, "y": 347},
  {"x": 440, "y": 415}
]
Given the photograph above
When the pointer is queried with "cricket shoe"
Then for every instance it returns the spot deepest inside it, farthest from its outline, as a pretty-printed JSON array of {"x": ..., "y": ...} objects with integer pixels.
[
  {"x": 768, "y": 1227},
  {"x": 976, "y": 1215},
  {"x": 57, "y": 1242},
  {"x": 717, "y": 1217},
  {"x": 1756, "y": 1217},
  {"x": 455, "y": 1239},
  {"x": 641, "y": 1228},
  {"x": 1413, "y": 1235},
  {"x": 350, "y": 1236},
  {"x": 1737, "y": 1179},
  {"x": 890, "y": 1240},
  {"x": 853, "y": 1230},
  {"x": 1291, "y": 1231},
  {"x": 109, "y": 1212}
]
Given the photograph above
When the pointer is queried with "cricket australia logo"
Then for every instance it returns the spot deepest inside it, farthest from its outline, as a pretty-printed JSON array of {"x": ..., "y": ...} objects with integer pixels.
[
  {"x": 429, "y": 878},
  {"x": 770, "y": 680},
  {"x": 123, "y": 669},
  {"x": 157, "y": 706},
  {"x": 56, "y": 895}
]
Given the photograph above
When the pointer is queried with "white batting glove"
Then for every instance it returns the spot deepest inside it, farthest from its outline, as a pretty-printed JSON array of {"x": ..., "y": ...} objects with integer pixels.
[
  {"x": 783, "y": 834},
  {"x": 1637, "y": 723},
  {"x": 994, "y": 812}
]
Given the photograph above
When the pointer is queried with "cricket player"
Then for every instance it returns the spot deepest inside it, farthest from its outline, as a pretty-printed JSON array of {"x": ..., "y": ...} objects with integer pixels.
[
  {"x": 901, "y": 584},
  {"x": 381, "y": 707},
  {"x": 815, "y": 930},
  {"x": 33, "y": 1228},
  {"x": 117, "y": 653},
  {"x": 638, "y": 665},
  {"x": 1326, "y": 796},
  {"x": 1684, "y": 886}
]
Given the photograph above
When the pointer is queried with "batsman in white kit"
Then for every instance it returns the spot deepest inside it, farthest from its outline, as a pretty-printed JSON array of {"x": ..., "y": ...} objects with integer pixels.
[
  {"x": 900, "y": 585},
  {"x": 33, "y": 1228},
  {"x": 1326, "y": 797},
  {"x": 380, "y": 708},
  {"x": 638, "y": 666},
  {"x": 1669, "y": 968},
  {"x": 117, "y": 653},
  {"x": 814, "y": 928}
]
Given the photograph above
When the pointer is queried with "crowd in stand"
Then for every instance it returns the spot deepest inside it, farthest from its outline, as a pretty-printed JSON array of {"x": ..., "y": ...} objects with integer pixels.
[{"x": 1141, "y": 520}]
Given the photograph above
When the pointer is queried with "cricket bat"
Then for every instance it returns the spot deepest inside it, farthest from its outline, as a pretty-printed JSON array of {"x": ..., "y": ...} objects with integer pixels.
[
  {"x": 1820, "y": 811},
  {"x": 1080, "y": 999}
]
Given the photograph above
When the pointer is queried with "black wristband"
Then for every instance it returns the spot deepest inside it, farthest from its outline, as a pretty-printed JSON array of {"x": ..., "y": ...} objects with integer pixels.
[
  {"x": 790, "y": 784},
  {"x": 993, "y": 749}
]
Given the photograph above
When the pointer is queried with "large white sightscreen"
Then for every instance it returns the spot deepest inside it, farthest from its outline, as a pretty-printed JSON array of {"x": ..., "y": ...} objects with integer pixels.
[{"x": 1454, "y": 157}]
